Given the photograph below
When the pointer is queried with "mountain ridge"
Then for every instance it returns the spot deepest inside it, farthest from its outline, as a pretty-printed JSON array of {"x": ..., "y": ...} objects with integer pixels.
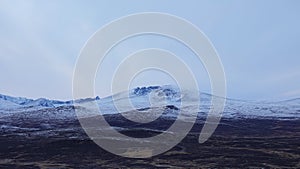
[
  {"x": 139, "y": 98},
  {"x": 138, "y": 91}
]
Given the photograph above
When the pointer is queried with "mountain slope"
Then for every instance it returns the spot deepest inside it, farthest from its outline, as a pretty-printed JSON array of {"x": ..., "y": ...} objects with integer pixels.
[{"x": 155, "y": 97}]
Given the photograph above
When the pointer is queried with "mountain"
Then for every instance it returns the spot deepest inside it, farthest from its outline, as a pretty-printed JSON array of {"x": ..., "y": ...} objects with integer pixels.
[
  {"x": 9, "y": 103},
  {"x": 153, "y": 98},
  {"x": 16, "y": 100}
]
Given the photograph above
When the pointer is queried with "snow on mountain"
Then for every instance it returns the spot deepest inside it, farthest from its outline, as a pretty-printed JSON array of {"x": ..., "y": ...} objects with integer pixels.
[
  {"x": 7, "y": 105},
  {"x": 155, "y": 98},
  {"x": 11, "y": 104},
  {"x": 16, "y": 100},
  {"x": 41, "y": 102},
  {"x": 159, "y": 96}
]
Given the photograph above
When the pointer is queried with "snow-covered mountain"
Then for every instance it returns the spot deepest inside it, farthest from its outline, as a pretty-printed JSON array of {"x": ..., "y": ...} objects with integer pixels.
[
  {"x": 154, "y": 98},
  {"x": 10, "y": 104}
]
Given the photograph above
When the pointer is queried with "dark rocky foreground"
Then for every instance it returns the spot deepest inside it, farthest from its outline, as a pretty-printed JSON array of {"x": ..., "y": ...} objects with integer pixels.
[{"x": 237, "y": 143}]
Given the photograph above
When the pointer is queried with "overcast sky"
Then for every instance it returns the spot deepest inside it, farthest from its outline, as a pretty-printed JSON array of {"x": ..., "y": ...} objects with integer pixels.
[{"x": 257, "y": 41}]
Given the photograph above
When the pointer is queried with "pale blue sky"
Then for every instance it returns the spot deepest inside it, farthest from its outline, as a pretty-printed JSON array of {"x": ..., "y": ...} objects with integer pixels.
[{"x": 257, "y": 41}]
